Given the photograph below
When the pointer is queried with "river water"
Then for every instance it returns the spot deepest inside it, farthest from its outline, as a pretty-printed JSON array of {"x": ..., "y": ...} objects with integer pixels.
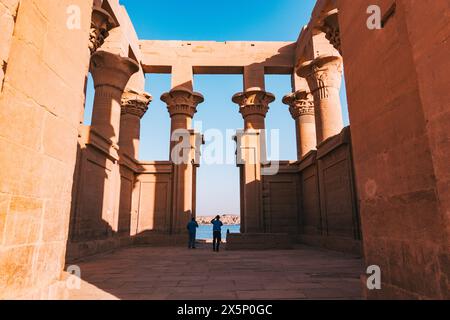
[{"x": 205, "y": 232}]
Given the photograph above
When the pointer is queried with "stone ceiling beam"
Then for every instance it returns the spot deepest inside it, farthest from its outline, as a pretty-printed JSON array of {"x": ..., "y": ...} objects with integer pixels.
[{"x": 209, "y": 57}]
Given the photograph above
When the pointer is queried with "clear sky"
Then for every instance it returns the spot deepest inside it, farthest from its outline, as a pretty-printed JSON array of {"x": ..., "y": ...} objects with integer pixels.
[{"x": 221, "y": 20}]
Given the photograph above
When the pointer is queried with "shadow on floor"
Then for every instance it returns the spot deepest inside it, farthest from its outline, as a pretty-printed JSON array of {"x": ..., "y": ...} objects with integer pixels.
[{"x": 148, "y": 273}]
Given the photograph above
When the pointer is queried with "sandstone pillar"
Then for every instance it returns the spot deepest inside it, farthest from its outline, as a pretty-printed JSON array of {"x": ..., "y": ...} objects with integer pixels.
[
  {"x": 111, "y": 74},
  {"x": 324, "y": 76},
  {"x": 182, "y": 105},
  {"x": 134, "y": 106},
  {"x": 253, "y": 105},
  {"x": 301, "y": 106}
]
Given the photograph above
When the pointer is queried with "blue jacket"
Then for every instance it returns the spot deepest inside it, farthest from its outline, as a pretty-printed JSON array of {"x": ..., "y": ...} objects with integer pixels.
[
  {"x": 192, "y": 226},
  {"x": 217, "y": 225}
]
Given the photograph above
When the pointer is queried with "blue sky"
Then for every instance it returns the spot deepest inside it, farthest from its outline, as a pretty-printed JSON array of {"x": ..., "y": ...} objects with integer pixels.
[{"x": 227, "y": 20}]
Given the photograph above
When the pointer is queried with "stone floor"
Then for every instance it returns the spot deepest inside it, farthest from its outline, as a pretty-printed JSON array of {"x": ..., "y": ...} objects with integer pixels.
[{"x": 182, "y": 274}]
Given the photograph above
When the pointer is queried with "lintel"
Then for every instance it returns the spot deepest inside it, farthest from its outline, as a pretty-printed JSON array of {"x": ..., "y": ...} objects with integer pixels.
[{"x": 210, "y": 57}]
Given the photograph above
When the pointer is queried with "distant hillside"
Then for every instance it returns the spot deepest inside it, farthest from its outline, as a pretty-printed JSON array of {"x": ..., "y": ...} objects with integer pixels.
[{"x": 227, "y": 219}]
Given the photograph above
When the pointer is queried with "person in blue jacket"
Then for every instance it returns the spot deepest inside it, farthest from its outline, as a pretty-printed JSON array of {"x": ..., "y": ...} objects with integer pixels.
[
  {"x": 192, "y": 229},
  {"x": 217, "y": 233}
]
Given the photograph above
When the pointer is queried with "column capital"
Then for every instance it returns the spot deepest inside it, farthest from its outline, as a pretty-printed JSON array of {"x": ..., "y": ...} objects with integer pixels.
[
  {"x": 253, "y": 102},
  {"x": 112, "y": 70},
  {"x": 134, "y": 103},
  {"x": 300, "y": 103},
  {"x": 322, "y": 73},
  {"x": 330, "y": 26},
  {"x": 182, "y": 101},
  {"x": 101, "y": 24}
]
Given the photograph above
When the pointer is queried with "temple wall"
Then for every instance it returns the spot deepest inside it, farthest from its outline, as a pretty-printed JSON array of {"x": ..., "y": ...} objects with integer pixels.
[
  {"x": 338, "y": 203},
  {"x": 280, "y": 200},
  {"x": 40, "y": 110},
  {"x": 398, "y": 105},
  {"x": 314, "y": 200},
  {"x": 329, "y": 207},
  {"x": 8, "y": 13},
  {"x": 152, "y": 196},
  {"x": 311, "y": 221},
  {"x": 126, "y": 197}
]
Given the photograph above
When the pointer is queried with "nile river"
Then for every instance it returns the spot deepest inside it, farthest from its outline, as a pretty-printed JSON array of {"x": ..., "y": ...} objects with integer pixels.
[{"x": 205, "y": 232}]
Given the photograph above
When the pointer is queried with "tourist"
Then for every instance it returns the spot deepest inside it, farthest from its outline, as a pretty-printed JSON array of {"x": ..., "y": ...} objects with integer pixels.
[
  {"x": 192, "y": 228},
  {"x": 217, "y": 233}
]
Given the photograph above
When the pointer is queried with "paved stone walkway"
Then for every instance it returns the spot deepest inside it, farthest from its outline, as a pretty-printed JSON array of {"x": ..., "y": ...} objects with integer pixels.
[{"x": 182, "y": 274}]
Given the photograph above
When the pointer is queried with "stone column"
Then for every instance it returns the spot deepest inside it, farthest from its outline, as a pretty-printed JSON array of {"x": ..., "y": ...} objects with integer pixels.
[
  {"x": 253, "y": 105},
  {"x": 111, "y": 74},
  {"x": 301, "y": 106},
  {"x": 182, "y": 105},
  {"x": 134, "y": 106},
  {"x": 324, "y": 76}
]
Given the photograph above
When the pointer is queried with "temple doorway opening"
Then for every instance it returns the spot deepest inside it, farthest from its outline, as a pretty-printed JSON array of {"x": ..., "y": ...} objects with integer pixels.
[{"x": 218, "y": 118}]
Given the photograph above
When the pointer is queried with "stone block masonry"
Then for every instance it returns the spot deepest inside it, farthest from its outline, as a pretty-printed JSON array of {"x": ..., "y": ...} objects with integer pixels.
[
  {"x": 40, "y": 107},
  {"x": 8, "y": 13}
]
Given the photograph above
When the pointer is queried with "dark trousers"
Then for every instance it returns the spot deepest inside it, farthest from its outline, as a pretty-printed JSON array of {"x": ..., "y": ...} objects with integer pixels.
[
  {"x": 217, "y": 238},
  {"x": 191, "y": 239}
]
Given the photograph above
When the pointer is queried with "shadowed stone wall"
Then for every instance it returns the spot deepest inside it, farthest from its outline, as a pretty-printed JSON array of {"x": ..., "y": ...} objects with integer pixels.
[
  {"x": 329, "y": 206},
  {"x": 398, "y": 97},
  {"x": 314, "y": 200},
  {"x": 40, "y": 111}
]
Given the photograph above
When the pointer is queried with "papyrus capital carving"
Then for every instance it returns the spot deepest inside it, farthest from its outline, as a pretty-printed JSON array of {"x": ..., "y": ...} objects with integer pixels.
[
  {"x": 300, "y": 103},
  {"x": 253, "y": 102},
  {"x": 134, "y": 103},
  {"x": 101, "y": 24},
  {"x": 182, "y": 101},
  {"x": 322, "y": 73}
]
